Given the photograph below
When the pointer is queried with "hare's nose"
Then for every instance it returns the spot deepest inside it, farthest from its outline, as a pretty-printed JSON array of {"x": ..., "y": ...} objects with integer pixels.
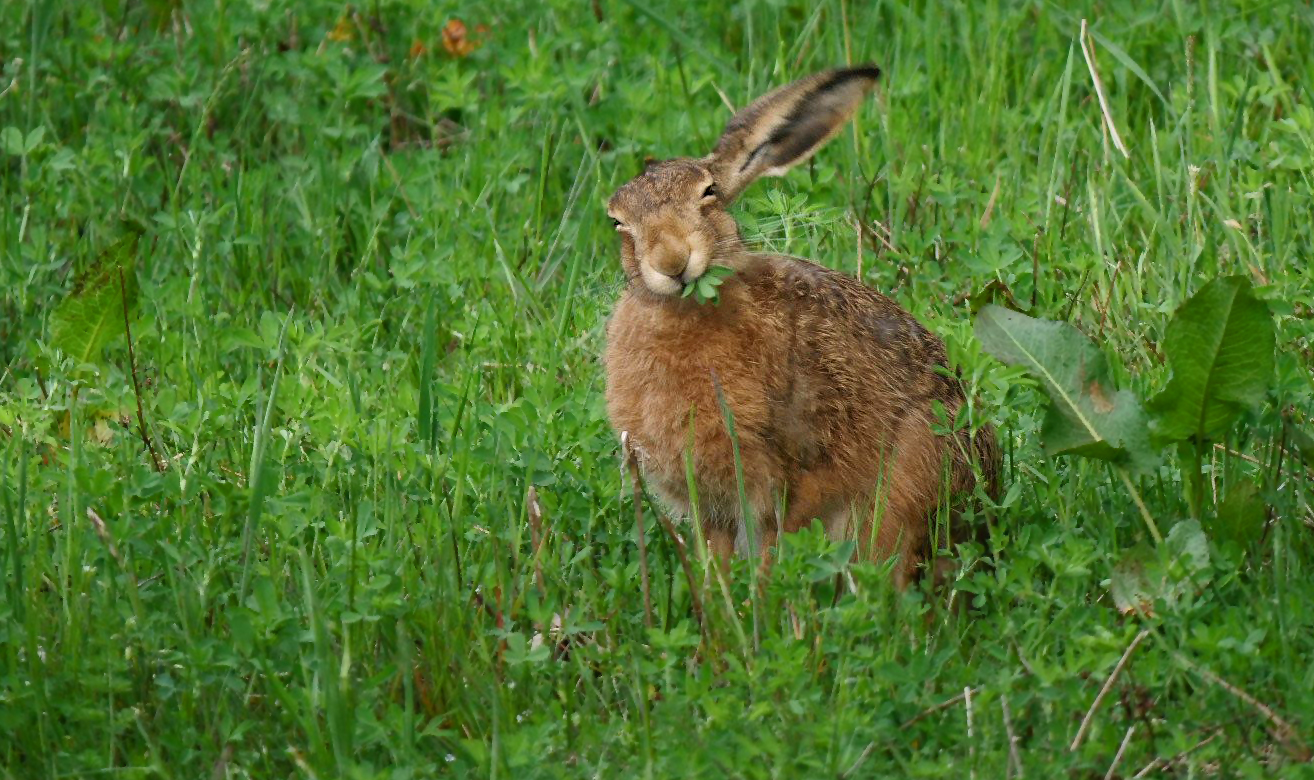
[{"x": 670, "y": 262}]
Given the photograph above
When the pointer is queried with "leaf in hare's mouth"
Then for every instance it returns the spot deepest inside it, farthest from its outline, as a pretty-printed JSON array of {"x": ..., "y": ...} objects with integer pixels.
[{"x": 704, "y": 289}]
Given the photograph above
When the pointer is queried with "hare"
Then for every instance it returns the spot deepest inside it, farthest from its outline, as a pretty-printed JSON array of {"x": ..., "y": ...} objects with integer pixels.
[{"x": 831, "y": 385}]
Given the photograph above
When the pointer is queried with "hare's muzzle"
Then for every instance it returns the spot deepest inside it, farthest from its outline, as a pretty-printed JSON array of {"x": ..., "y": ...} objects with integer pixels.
[
  {"x": 670, "y": 264},
  {"x": 669, "y": 257}
]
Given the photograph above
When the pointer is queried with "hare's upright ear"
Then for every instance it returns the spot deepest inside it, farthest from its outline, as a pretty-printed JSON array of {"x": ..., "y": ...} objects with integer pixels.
[{"x": 783, "y": 128}]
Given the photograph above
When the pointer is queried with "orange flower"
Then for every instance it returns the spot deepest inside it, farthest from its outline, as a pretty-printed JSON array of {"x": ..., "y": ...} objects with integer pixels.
[{"x": 456, "y": 40}]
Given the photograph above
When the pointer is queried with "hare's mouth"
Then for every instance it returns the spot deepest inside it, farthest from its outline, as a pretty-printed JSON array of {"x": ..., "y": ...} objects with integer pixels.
[
  {"x": 673, "y": 284},
  {"x": 663, "y": 284}
]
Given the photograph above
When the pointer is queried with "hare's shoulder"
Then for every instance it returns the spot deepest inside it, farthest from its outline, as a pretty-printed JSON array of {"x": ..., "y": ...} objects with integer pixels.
[{"x": 844, "y": 308}]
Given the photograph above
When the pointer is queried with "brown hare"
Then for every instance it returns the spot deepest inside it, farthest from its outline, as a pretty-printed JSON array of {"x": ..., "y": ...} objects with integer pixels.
[{"x": 831, "y": 384}]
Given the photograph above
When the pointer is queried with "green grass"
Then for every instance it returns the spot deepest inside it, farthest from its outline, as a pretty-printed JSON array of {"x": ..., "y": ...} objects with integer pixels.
[{"x": 372, "y": 288}]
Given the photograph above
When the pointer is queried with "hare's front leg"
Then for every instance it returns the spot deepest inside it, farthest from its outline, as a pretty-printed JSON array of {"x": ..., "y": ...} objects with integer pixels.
[
  {"x": 811, "y": 495},
  {"x": 723, "y": 525},
  {"x": 720, "y": 524},
  {"x": 717, "y": 524},
  {"x": 720, "y": 542}
]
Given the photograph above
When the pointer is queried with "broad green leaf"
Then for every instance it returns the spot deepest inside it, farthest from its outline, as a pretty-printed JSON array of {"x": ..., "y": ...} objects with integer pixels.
[
  {"x": 1086, "y": 415},
  {"x": 33, "y": 139},
  {"x": 1220, "y": 345},
  {"x": 1241, "y": 515},
  {"x": 1146, "y": 574},
  {"x": 1130, "y": 583},
  {"x": 84, "y": 322},
  {"x": 1302, "y": 441},
  {"x": 1187, "y": 550},
  {"x": 11, "y": 140}
]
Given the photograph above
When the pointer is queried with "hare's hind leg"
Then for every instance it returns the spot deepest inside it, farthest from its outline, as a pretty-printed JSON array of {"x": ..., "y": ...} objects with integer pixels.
[
  {"x": 897, "y": 521},
  {"x": 890, "y": 528},
  {"x": 720, "y": 542},
  {"x": 889, "y": 523},
  {"x": 811, "y": 495}
]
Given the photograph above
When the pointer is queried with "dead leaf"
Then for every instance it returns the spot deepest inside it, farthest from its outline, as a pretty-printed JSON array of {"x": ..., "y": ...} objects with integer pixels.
[
  {"x": 1144, "y": 574},
  {"x": 1099, "y": 399},
  {"x": 343, "y": 31},
  {"x": 101, "y": 433},
  {"x": 456, "y": 39},
  {"x": 1131, "y": 586}
]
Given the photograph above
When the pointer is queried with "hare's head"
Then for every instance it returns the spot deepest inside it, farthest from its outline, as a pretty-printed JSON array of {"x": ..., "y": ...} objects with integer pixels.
[{"x": 672, "y": 218}]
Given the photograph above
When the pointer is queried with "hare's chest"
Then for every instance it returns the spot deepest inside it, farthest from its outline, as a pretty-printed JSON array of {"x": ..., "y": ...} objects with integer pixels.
[
  {"x": 656, "y": 383},
  {"x": 676, "y": 391}
]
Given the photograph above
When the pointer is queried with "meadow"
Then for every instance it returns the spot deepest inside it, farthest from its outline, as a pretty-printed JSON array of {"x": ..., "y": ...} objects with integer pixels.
[{"x": 305, "y": 469}]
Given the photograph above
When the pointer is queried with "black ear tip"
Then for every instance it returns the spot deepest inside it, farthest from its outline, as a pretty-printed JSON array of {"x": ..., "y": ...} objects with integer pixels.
[
  {"x": 867, "y": 72},
  {"x": 865, "y": 75}
]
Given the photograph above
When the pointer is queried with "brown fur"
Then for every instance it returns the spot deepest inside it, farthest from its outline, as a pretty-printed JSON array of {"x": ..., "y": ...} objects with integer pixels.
[{"x": 831, "y": 384}]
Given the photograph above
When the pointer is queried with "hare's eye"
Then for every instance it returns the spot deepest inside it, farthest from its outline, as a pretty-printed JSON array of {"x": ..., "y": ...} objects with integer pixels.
[
  {"x": 710, "y": 192},
  {"x": 616, "y": 223}
]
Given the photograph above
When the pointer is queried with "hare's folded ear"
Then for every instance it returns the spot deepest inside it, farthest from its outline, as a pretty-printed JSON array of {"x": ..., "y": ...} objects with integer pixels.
[{"x": 783, "y": 128}]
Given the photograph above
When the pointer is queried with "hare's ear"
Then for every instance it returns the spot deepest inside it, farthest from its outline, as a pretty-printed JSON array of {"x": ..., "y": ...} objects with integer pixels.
[{"x": 783, "y": 128}]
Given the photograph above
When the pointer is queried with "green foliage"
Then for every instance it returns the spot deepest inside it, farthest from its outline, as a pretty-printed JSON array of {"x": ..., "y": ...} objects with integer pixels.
[
  {"x": 1087, "y": 415},
  {"x": 706, "y": 288},
  {"x": 1220, "y": 344},
  {"x": 12, "y": 140},
  {"x": 1303, "y": 443},
  {"x": 339, "y": 573},
  {"x": 99, "y": 306},
  {"x": 1241, "y": 516},
  {"x": 1220, "y": 347},
  {"x": 1155, "y": 579}
]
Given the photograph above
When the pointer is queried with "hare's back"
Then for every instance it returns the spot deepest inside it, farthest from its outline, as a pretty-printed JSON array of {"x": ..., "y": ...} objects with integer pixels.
[{"x": 872, "y": 355}]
